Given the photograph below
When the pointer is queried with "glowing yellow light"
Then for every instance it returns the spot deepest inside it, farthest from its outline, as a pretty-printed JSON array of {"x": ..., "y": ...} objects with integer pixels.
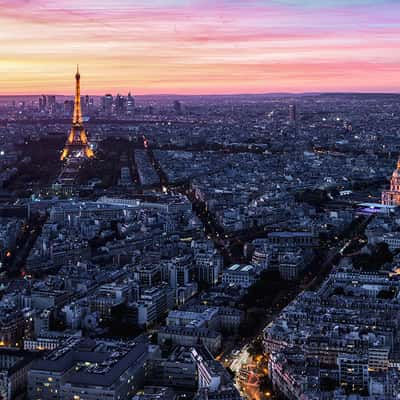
[
  {"x": 73, "y": 138},
  {"x": 64, "y": 154},
  {"x": 83, "y": 137},
  {"x": 89, "y": 152}
]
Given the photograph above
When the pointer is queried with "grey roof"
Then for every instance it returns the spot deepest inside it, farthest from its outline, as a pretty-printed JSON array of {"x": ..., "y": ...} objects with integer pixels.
[{"x": 111, "y": 364}]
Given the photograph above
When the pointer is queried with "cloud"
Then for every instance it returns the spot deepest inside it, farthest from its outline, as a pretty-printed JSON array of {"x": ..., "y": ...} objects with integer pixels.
[{"x": 199, "y": 45}]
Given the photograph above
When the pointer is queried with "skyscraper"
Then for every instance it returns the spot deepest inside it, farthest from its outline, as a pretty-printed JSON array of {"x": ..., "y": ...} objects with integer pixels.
[
  {"x": 51, "y": 101},
  {"x": 42, "y": 103},
  {"x": 130, "y": 104},
  {"x": 120, "y": 105},
  {"x": 77, "y": 144},
  {"x": 292, "y": 113},
  {"x": 107, "y": 104},
  {"x": 178, "y": 107}
]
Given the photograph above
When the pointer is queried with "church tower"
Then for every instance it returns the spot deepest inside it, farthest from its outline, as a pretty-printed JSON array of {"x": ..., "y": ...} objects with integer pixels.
[
  {"x": 392, "y": 197},
  {"x": 77, "y": 144}
]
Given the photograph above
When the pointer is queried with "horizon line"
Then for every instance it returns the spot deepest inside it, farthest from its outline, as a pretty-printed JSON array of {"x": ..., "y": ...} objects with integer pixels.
[{"x": 215, "y": 94}]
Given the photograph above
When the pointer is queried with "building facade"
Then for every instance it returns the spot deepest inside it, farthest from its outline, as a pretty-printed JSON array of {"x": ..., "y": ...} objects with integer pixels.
[{"x": 392, "y": 197}]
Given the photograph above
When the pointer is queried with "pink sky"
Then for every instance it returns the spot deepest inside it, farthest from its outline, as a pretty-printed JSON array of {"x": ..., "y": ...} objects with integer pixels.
[{"x": 199, "y": 47}]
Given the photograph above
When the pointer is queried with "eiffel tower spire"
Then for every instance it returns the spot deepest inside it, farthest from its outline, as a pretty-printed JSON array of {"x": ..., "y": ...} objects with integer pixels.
[
  {"x": 77, "y": 118},
  {"x": 77, "y": 145}
]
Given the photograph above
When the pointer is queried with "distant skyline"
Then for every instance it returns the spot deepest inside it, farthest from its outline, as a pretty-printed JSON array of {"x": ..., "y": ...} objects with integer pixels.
[{"x": 199, "y": 47}]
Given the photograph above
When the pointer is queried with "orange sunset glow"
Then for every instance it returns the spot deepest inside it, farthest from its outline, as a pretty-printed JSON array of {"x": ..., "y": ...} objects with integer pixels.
[{"x": 200, "y": 47}]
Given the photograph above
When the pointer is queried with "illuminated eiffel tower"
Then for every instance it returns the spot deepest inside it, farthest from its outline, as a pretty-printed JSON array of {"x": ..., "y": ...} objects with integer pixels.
[{"x": 77, "y": 144}]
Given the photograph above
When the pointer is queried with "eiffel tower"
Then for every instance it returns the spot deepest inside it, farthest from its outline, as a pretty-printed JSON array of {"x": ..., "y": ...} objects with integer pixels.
[{"x": 77, "y": 144}]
